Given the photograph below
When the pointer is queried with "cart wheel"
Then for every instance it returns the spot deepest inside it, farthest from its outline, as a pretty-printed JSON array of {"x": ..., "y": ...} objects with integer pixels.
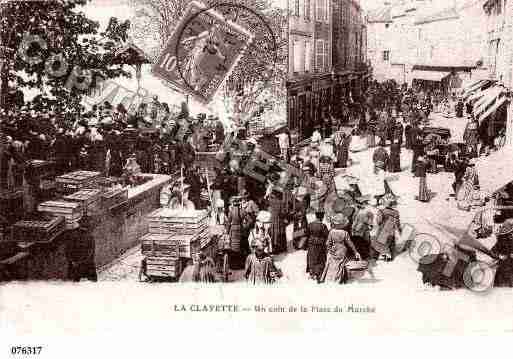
[{"x": 226, "y": 267}]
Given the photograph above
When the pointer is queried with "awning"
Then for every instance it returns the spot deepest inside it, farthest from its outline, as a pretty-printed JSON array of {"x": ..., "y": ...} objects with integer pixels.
[
  {"x": 498, "y": 103},
  {"x": 482, "y": 104},
  {"x": 475, "y": 86},
  {"x": 477, "y": 95},
  {"x": 429, "y": 75},
  {"x": 495, "y": 170}
]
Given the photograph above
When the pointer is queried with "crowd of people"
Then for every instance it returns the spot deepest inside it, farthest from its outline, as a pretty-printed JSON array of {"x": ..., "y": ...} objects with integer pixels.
[{"x": 255, "y": 206}]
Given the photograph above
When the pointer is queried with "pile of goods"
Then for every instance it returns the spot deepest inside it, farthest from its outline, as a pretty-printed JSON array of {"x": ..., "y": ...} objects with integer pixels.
[
  {"x": 71, "y": 211},
  {"x": 44, "y": 230},
  {"x": 75, "y": 181},
  {"x": 89, "y": 199},
  {"x": 162, "y": 256},
  {"x": 177, "y": 235}
]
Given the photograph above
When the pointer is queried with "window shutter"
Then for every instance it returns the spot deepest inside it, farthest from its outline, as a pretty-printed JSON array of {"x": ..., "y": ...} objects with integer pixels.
[{"x": 308, "y": 56}]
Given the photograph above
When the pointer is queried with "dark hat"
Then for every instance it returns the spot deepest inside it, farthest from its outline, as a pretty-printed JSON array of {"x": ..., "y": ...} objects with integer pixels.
[{"x": 235, "y": 199}]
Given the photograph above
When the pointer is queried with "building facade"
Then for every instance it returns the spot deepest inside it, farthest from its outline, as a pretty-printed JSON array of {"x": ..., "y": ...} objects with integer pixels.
[
  {"x": 416, "y": 41},
  {"x": 499, "y": 55},
  {"x": 379, "y": 41},
  {"x": 326, "y": 59}
]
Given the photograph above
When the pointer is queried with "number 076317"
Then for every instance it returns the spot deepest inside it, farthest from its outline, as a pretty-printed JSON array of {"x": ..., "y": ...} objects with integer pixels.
[{"x": 26, "y": 350}]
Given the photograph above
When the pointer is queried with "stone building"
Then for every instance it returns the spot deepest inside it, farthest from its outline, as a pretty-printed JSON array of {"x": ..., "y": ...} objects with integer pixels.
[
  {"x": 327, "y": 58},
  {"x": 427, "y": 42}
]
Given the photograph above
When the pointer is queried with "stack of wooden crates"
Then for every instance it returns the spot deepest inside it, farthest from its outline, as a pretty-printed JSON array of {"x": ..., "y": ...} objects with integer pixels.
[{"x": 174, "y": 237}]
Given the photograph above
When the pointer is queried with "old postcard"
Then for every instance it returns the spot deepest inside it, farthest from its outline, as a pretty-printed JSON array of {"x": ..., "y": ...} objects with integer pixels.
[{"x": 237, "y": 168}]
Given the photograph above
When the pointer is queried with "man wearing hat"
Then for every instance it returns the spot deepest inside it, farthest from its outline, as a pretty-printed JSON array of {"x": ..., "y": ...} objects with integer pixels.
[
  {"x": 80, "y": 252},
  {"x": 249, "y": 211}
]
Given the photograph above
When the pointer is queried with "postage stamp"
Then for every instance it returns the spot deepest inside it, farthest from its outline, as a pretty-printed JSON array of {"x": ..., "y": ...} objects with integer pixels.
[{"x": 202, "y": 52}]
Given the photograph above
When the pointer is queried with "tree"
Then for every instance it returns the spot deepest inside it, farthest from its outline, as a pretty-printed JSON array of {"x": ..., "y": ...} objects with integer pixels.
[
  {"x": 71, "y": 56},
  {"x": 262, "y": 66}
]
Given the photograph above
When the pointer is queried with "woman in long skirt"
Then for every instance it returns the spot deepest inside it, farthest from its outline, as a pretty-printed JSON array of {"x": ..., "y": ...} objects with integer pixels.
[
  {"x": 421, "y": 171},
  {"x": 338, "y": 245},
  {"x": 260, "y": 268},
  {"x": 360, "y": 233},
  {"x": 467, "y": 190},
  {"x": 343, "y": 151}
]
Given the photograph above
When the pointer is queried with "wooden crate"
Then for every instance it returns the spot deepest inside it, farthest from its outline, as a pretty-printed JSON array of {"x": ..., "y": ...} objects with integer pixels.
[
  {"x": 71, "y": 211},
  {"x": 164, "y": 267},
  {"x": 162, "y": 228},
  {"x": 189, "y": 219},
  {"x": 38, "y": 231},
  {"x": 75, "y": 181},
  {"x": 89, "y": 199},
  {"x": 159, "y": 245}
]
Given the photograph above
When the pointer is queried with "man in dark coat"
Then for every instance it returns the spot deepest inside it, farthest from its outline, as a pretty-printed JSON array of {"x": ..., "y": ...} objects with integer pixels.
[
  {"x": 398, "y": 134},
  {"x": 80, "y": 253},
  {"x": 417, "y": 145}
]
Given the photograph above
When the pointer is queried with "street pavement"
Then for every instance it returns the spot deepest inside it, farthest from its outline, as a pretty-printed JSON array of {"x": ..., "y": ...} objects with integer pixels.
[{"x": 440, "y": 218}]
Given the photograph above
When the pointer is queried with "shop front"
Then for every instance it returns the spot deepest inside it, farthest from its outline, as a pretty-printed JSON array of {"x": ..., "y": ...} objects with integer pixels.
[{"x": 307, "y": 101}]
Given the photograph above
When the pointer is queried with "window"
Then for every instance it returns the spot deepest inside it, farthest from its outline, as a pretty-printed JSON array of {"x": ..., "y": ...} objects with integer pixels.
[
  {"x": 326, "y": 56},
  {"x": 386, "y": 55},
  {"x": 308, "y": 56},
  {"x": 307, "y": 9},
  {"x": 321, "y": 10},
  {"x": 319, "y": 55},
  {"x": 296, "y": 7},
  {"x": 387, "y": 26},
  {"x": 298, "y": 54}
]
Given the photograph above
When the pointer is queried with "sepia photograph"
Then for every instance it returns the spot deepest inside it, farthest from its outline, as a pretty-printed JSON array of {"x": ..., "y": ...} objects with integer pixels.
[{"x": 274, "y": 166}]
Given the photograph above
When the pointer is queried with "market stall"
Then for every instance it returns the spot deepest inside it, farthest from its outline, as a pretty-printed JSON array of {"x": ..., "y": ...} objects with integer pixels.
[{"x": 116, "y": 221}]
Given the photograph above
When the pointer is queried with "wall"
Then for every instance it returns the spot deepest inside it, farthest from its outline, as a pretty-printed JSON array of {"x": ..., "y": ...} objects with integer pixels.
[
  {"x": 379, "y": 40},
  {"x": 452, "y": 42}
]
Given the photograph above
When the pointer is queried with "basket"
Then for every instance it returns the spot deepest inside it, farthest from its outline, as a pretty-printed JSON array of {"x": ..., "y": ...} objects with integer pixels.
[{"x": 357, "y": 265}]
